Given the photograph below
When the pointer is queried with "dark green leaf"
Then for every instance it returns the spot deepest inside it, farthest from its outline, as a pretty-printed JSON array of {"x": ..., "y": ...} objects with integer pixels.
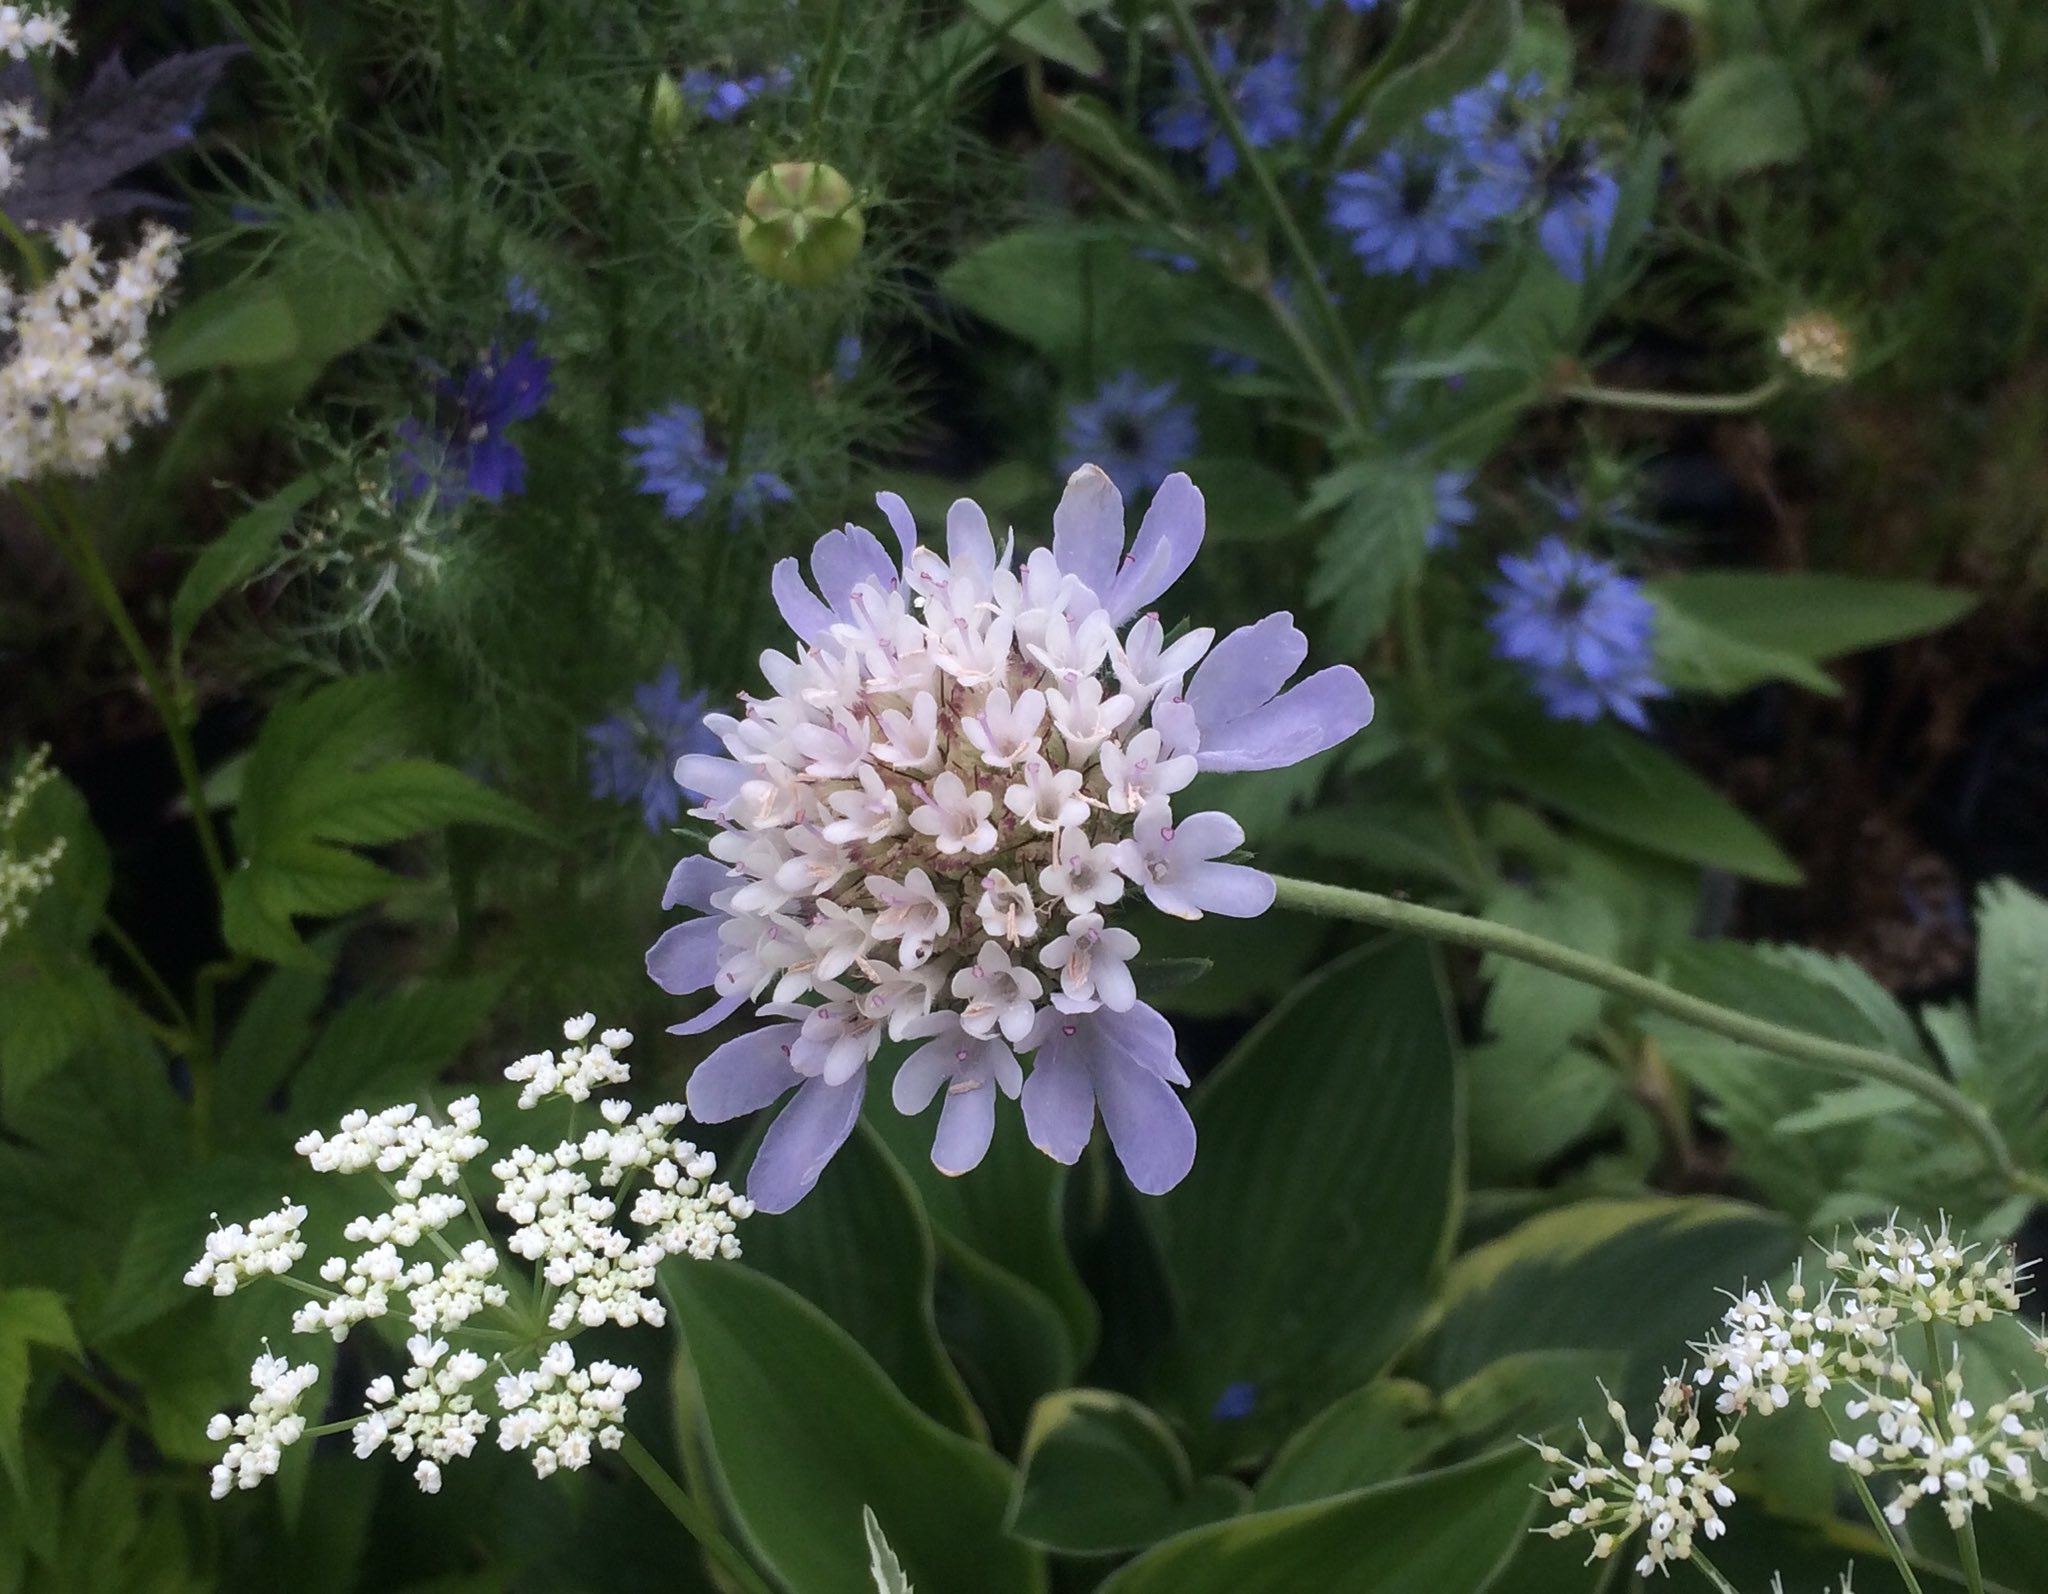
[
  {"x": 1809, "y": 615},
  {"x": 27, "y": 1318},
  {"x": 1369, "y": 1436},
  {"x": 237, "y": 554},
  {"x": 1086, "y": 124},
  {"x": 1293, "y": 1173},
  {"x": 247, "y": 324},
  {"x": 1743, "y": 114},
  {"x": 1695, "y": 656},
  {"x": 1045, "y": 27},
  {"x": 1068, "y": 289},
  {"x": 1445, "y": 1532},
  {"x": 402, "y": 798},
  {"x": 385, "y": 1047},
  {"x": 806, "y": 1432},
  {"x": 1374, "y": 549}
]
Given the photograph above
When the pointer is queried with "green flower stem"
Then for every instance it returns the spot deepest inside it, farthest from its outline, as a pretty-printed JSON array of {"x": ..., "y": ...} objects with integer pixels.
[
  {"x": 1415, "y": 652},
  {"x": 138, "y": 960},
  {"x": 1711, "y": 1572},
  {"x": 60, "y": 523},
  {"x": 1859, "y": 1062},
  {"x": 695, "y": 1520},
  {"x": 1275, "y": 202},
  {"x": 1876, "y": 1514},
  {"x": 1622, "y": 398},
  {"x": 1966, "y": 1534}
]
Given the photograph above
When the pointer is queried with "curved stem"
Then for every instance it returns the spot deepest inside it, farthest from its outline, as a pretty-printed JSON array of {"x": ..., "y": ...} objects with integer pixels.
[
  {"x": 1859, "y": 1062},
  {"x": 695, "y": 1520},
  {"x": 1623, "y": 398},
  {"x": 1876, "y": 1514}
]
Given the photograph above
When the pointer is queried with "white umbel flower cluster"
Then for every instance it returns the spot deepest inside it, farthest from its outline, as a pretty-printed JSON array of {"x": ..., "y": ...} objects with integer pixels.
[
  {"x": 1671, "y": 1484},
  {"x": 563, "y": 1207},
  {"x": 260, "y": 1435},
  {"x": 24, "y": 876}
]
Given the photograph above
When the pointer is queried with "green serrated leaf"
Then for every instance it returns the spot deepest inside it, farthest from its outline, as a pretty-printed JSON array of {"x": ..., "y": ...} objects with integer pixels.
[
  {"x": 392, "y": 801},
  {"x": 1743, "y": 114},
  {"x": 28, "y": 1318},
  {"x": 1374, "y": 550}
]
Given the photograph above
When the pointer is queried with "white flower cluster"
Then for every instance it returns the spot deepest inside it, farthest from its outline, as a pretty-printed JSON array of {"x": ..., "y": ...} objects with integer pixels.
[
  {"x": 558, "y": 1409},
  {"x": 562, "y": 1206},
  {"x": 25, "y": 876},
  {"x": 25, "y": 31},
  {"x": 1944, "y": 1448},
  {"x": 261, "y": 1433},
  {"x": 1672, "y": 1484}
]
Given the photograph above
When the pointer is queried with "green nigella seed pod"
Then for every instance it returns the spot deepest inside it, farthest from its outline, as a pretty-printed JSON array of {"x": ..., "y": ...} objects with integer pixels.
[
  {"x": 666, "y": 113},
  {"x": 801, "y": 224}
]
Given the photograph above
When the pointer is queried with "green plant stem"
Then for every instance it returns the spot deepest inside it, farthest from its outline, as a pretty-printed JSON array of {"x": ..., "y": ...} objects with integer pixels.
[
  {"x": 60, "y": 523},
  {"x": 695, "y": 1520},
  {"x": 1254, "y": 162},
  {"x": 1966, "y": 1532},
  {"x": 138, "y": 960},
  {"x": 1876, "y": 1514},
  {"x": 1858, "y": 1062},
  {"x": 829, "y": 60},
  {"x": 1415, "y": 651},
  {"x": 1712, "y": 1573},
  {"x": 1624, "y": 398}
]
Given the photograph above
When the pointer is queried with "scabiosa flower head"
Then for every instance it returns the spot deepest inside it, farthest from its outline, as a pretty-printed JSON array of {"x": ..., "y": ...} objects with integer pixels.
[
  {"x": 632, "y": 753},
  {"x": 1136, "y": 432},
  {"x": 1414, "y": 210},
  {"x": 967, "y": 762},
  {"x": 680, "y": 465},
  {"x": 1454, "y": 508},
  {"x": 1266, "y": 94},
  {"x": 1583, "y": 632},
  {"x": 1579, "y": 197},
  {"x": 468, "y": 452}
]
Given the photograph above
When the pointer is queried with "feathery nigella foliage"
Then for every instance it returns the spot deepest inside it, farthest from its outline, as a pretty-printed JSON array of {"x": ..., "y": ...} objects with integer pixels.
[{"x": 964, "y": 766}]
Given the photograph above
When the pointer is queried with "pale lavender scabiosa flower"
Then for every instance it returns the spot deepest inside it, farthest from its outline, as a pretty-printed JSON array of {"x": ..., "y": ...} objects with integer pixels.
[
  {"x": 468, "y": 453},
  {"x": 588, "y": 1220},
  {"x": 967, "y": 764},
  {"x": 1266, "y": 94},
  {"x": 632, "y": 753},
  {"x": 680, "y": 465},
  {"x": 1136, "y": 431},
  {"x": 1582, "y": 631},
  {"x": 1454, "y": 508}
]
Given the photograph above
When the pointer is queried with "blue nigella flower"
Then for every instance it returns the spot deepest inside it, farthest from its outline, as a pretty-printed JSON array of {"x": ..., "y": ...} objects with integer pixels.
[
  {"x": 472, "y": 457},
  {"x": 522, "y": 298},
  {"x": 632, "y": 755},
  {"x": 1454, "y": 508},
  {"x": 846, "y": 358},
  {"x": 679, "y": 464},
  {"x": 1267, "y": 95},
  {"x": 1583, "y": 632},
  {"x": 1355, "y": 7},
  {"x": 1237, "y": 1402},
  {"x": 1579, "y": 200},
  {"x": 1413, "y": 211},
  {"x": 723, "y": 98},
  {"x": 1501, "y": 126},
  {"x": 1138, "y": 434}
]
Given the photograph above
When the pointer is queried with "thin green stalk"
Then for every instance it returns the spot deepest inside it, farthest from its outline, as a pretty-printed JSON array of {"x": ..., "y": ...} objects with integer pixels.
[
  {"x": 829, "y": 61},
  {"x": 1858, "y": 1062},
  {"x": 1415, "y": 652},
  {"x": 1876, "y": 1514},
  {"x": 138, "y": 960},
  {"x": 1966, "y": 1531},
  {"x": 1254, "y": 162},
  {"x": 695, "y": 1520},
  {"x": 451, "y": 140},
  {"x": 60, "y": 523},
  {"x": 1712, "y": 1573},
  {"x": 1623, "y": 398}
]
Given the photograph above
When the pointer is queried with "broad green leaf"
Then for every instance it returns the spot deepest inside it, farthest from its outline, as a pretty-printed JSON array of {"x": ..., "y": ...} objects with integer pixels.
[
  {"x": 1522, "y": 1112},
  {"x": 1066, "y": 290},
  {"x": 236, "y": 555},
  {"x": 1400, "y": 841},
  {"x": 1101, "y": 1473},
  {"x": 1695, "y": 656},
  {"x": 1810, "y": 615},
  {"x": 1639, "y": 1277},
  {"x": 1374, "y": 548},
  {"x": 1086, "y": 124},
  {"x": 865, "y": 1257},
  {"x": 1445, "y": 1532},
  {"x": 1330, "y": 1131},
  {"x": 246, "y": 324},
  {"x": 1621, "y": 785},
  {"x": 28, "y": 1318},
  {"x": 806, "y": 1432},
  {"x": 1530, "y": 1010},
  {"x": 1045, "y": 27},
  {"x": 883, "y": 1566},
  {"x": 2012, "y": 1000},
  {"x": 370, "y": 807},
  {"x": 1438, "y": 50},
  {"x": 1743, "y": 114},
  {"x": 387, "y": 1046},
  {"x": 1369, "y": 1436},
  {"x": 51, "y": 1006}
]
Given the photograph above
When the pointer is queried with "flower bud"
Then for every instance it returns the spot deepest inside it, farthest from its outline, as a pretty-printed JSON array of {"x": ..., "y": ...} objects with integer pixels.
[
  {"x": 1817, "y": 346},
  {"x": 801, "y": 224},
  {"x": 665, "y": 115}
]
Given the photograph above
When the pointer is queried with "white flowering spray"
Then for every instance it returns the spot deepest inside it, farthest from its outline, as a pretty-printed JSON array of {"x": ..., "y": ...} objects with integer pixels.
[
  {"x": 1878, "y": 1354},
  {"x": 595, "y": 1215},
  {"x": 24, "y": 875},
  {"x": 965, "y": 766},
  {"x": 75, "y": 374}
]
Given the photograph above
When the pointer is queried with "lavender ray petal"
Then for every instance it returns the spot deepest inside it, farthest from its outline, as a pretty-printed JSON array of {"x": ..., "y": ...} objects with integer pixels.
[
  {"x": 706, "y": 775},
  {"x": 714, "y": 1015},
  {"x": 685, "y": 959},
  {"x": 1088, "y": 529},
  {"x": 1148, "y": 1125},
  {"x": 801, "y": 610},
  {"x": 970, "y": 545},
  {"x": 923, "y": 1072},
  {"x": 802, "y": 1140},
  {"x": 1328, "y": 708},
  {"x": 1145, "y": 1035},
  {"x": 1166, "y": 544},
  {"x": 1209, "y": 834},
  {"x": 840, "y": 561},
  {"x": 1245, "y": 670},
  {"x": 1059, "y": 1099},
  {"x": 901, "y": 521},
  {"x": 1231, "y": 889},
  {"x": 744, "y": 1075},
  {"x": 694, "y": 881},
  {"x": 967, "y": 1123}
]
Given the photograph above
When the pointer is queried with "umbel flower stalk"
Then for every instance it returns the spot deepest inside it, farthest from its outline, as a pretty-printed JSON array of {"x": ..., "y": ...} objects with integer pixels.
[{"x": 968, "y": 763}]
